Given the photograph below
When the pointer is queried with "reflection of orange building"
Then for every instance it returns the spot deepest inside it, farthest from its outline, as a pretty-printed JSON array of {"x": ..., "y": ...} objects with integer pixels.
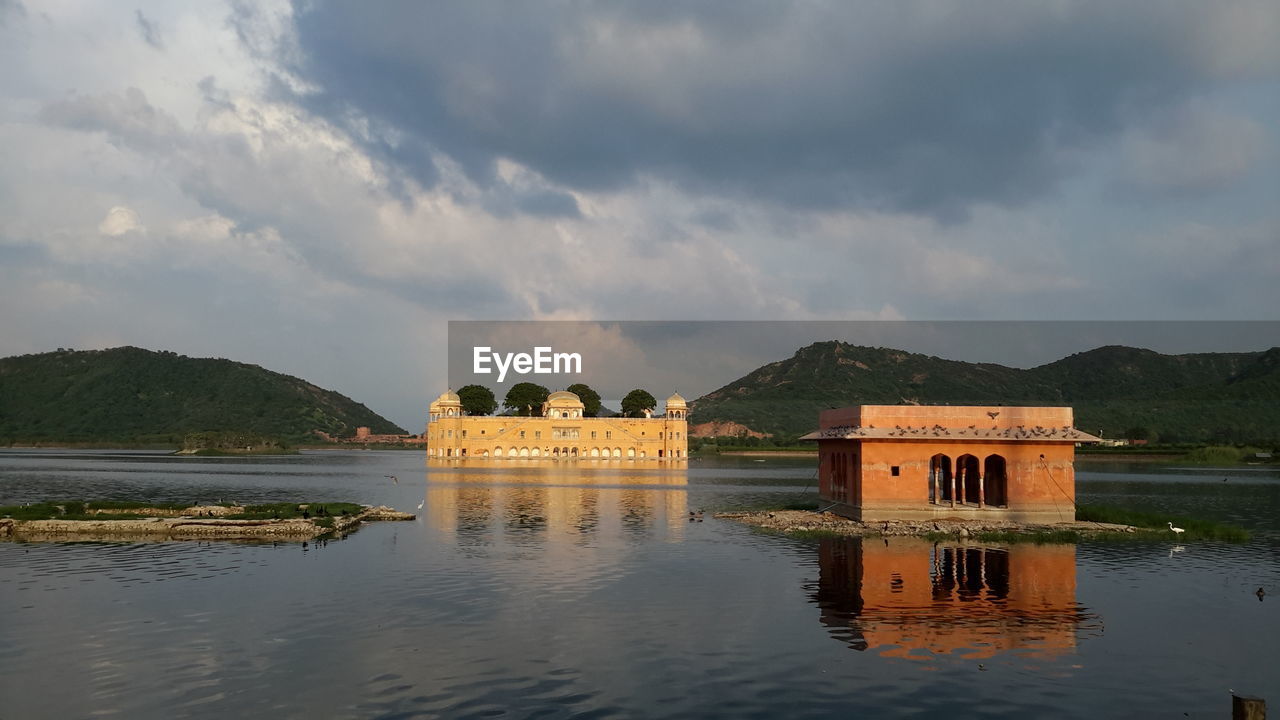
[
  {"x": 549, "y": 501},
  {"x": 907, "y": 595},
  {"x": 912, "y": 462}
]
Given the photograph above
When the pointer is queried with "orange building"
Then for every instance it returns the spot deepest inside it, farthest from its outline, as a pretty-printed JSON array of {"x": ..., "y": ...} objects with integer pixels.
[
  {"x": 919, "y": 462},
  {"x": 913, "y": 599}
]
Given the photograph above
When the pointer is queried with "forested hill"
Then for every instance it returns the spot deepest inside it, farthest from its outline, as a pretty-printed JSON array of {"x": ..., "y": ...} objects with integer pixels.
[
  {"x": 1197, "y": 397},
  {"x": 129, "y": 394}
]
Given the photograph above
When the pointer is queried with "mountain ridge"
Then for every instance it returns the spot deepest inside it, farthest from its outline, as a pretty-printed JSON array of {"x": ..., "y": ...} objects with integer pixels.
[
  {"x": 1188, "y": 397},
  {"x": 131, "y": 394}
]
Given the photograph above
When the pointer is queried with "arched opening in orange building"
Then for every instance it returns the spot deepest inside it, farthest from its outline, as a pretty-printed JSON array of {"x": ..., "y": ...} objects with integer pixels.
[
  {"x": 969, "y": 477},
  {"x": 940, "y": 478},
  {"x": 996, "y": 480}
]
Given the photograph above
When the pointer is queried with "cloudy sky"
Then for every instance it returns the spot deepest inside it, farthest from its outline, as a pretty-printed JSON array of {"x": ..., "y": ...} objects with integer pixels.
[{"x": 319, "y": 187}]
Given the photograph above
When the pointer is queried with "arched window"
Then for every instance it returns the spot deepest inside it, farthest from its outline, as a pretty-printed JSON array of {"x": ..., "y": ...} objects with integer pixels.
[{"x": 497, "y": 452}]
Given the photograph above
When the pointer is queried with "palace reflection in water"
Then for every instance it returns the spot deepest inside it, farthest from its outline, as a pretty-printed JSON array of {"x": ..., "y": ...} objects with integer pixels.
[
  {"x": 909, "y": 598},
  {"x": 537, "y": 503}
]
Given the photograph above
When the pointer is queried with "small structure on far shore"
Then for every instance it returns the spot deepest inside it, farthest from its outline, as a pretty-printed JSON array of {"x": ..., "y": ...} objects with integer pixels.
[{"x": 917, "y": 462}]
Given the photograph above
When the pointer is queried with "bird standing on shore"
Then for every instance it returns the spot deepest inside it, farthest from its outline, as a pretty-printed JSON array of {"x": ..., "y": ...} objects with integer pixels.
[{"x": 1176, "y": 530}]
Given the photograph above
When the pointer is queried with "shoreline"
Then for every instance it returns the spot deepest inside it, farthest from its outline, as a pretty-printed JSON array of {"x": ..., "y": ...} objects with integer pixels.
[
  {"x": 197, "y": 522},
  {"x": 810, "y": 524}
]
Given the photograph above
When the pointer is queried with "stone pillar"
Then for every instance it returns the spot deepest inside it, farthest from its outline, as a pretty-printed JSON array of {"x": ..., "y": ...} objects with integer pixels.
[
  {"x": 959, "y": 473},
  {"x": 982, "y": 490}
]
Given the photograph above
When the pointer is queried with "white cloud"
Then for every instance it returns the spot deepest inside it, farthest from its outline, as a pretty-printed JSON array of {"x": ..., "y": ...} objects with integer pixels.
[{"x": 120, "y": 220}]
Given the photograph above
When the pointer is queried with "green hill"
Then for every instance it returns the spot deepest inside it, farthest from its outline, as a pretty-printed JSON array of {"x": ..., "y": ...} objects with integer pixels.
[
  {"x": 131, "y": 395},
  {"x": 1225, "y": 397}
]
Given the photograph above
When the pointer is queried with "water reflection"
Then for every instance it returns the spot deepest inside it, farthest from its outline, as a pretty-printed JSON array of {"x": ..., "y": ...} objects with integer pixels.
[
  {"x": 532, "y": 505},
  {"x": 910, "y": 598}
]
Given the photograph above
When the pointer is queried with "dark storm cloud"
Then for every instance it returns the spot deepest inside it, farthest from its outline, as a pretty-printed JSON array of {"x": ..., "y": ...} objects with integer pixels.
[
  {"x": 11, "y": 9},
  {"x": 150, "y": 32},
  {"x": 903, "y": 106}
]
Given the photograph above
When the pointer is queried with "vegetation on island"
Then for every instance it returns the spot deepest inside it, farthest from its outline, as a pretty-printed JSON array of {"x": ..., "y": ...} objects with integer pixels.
[
  {"x": 133, "y": 510},
  {"x": 129, "y": 395},
  {"x": 590, "y": 399},
  {"x": 637, "y": 402},
  {"x": 477, "y": 400},
  {"x": 227, "y": 442},
  {"x": 1193, "y": 528},
  {"x": 799, "y": 519},
  {"x": 1118, "y": 392},
  {"x": 525, "y": 399}
]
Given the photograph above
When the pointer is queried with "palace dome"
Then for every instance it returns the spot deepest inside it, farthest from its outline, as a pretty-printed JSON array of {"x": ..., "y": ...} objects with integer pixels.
[
  {"x": 449, "y": 396},
  {"x": 564, "y": 399},
  {"x": 675, "y": 401}
]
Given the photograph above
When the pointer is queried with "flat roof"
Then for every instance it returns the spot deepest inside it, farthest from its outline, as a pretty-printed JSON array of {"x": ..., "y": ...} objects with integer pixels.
[{"x": 1036, "y": 434}]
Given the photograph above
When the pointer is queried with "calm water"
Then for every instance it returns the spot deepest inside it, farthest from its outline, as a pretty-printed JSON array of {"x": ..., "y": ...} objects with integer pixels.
[{"x": 559, "y": 591}]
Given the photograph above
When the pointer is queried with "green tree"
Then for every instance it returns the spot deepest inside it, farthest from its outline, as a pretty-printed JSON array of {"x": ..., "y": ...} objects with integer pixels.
[
  {"x": 1137, "y": 433},
  {"x": 590, "y": 398},
  {"x": 526, "y": 398},
  {"x": 477, "y": 400},
  {"x": 636, "y": 402}
]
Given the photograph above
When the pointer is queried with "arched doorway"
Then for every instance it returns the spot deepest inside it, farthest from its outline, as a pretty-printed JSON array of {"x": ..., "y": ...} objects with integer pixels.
[
  {"x": 940, "y": 479},
  {"x": 969, "y": 479},
  {"x": 996, "y": 481}
]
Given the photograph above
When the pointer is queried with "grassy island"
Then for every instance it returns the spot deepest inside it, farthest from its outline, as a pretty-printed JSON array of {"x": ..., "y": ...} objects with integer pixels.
[
  {"x": 1093, "y": 522},
  {"x": 114, "y": 520},
  {"x": 224, "y": 443}
]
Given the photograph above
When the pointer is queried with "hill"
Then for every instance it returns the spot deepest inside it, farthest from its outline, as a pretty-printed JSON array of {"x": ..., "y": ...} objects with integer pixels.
[
  {"x": 1225, "y": 397},
  {"x": 131, "y": 395}
]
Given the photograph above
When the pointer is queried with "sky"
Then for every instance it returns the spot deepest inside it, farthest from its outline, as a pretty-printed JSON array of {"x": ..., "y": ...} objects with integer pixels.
[{"x": 319, "y": 187}]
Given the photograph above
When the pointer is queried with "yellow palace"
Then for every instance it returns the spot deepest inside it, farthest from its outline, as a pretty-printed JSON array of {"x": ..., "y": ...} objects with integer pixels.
[{"x": 559, "y": 432}]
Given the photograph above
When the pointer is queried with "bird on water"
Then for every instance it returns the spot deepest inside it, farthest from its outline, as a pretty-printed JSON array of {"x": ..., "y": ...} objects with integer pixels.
[
  {"x": 394, "y": 479},
  {"x": 1176, "y": 530}
]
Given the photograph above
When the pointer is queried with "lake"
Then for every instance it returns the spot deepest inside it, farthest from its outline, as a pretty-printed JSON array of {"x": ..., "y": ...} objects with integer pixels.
[{"x": 559, "y": 590}]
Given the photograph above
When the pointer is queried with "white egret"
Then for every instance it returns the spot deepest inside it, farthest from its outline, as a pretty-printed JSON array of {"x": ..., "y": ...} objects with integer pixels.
[{"x": 1176, "y": 530}]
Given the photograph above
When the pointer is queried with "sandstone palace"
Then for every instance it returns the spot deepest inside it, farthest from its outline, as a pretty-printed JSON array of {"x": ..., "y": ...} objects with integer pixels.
[{"x": 559, "y": 432}]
